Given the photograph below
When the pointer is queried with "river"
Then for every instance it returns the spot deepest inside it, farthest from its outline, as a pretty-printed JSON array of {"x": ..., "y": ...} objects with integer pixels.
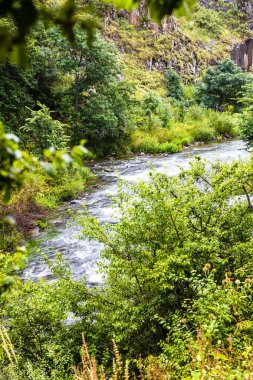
[{"x": 62, "y": 233}]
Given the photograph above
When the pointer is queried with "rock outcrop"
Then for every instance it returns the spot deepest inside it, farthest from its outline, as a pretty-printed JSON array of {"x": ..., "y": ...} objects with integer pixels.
[
  {"x": 242, "y": 54},
  {"x": 159, "y": 47}
]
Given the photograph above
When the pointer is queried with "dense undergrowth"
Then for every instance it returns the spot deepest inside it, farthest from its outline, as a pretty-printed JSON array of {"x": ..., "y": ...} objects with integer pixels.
[
  {"x": 198, "y": 125},
  {"x": 177, "y": 289}
]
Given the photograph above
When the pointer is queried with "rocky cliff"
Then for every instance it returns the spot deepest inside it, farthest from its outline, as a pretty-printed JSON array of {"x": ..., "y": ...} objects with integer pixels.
[{"x": 147, "y": 49}]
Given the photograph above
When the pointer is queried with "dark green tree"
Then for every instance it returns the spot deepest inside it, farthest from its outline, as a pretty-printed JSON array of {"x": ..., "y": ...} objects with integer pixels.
[
  {"x": 15, "y": 95},
  {"x": 96, "y": 98},
  {"x": 21, "y": 88},
  {"x": 221, "y": 85},
  {"x": 156, "y": 110}
]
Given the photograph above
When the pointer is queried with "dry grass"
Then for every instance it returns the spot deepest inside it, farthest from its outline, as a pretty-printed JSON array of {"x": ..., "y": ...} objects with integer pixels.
[
  {"x": 8, "y": 346},
  {"x": 89, "y": 369}
]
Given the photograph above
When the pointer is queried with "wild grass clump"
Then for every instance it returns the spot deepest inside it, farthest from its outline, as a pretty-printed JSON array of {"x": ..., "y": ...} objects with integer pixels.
[
  {"x": 217, "y": 123},
  {"x": 149, "y": 143},
  {"x": 90, "y": 370},
  {"x": 205, "y": 361},
  {"x": 64, "y": 186},
  {"x": 47, "y": 192}
]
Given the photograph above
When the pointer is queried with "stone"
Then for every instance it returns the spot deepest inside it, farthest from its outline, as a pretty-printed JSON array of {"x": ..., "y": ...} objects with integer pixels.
[{"x": 76, "y": 202}]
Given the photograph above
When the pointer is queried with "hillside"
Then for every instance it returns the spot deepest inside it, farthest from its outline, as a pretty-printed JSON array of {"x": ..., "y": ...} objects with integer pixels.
[{"x": 188, "y": 46}]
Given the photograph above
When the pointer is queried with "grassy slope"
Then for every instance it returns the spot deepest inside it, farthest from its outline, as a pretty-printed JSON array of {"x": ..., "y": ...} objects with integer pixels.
[{"x": 192, "y": 43}]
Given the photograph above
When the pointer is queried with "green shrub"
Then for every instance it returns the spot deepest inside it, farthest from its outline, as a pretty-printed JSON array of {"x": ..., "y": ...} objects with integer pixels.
[
  {"x": 170, "y": 258},
  {"x": 246, "y": 118},
  {"x": 45, "y": 343},
  {"x": 205, "y": 328},
  {"x": 156, "y": 110},
  {"x": 223, "y": 124},
  {"x": 196, "y": 113},
  {"x": 65, "y": 185},
  {"x": 209, "y": 20},
  {"x": 174, "y": 84},
  {"x": 202, "y": 132},
  {"x": 41, "y": 131}
]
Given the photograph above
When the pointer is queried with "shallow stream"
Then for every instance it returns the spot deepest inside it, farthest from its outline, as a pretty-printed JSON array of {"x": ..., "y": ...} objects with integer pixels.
[{"x": 62, "y": 234}]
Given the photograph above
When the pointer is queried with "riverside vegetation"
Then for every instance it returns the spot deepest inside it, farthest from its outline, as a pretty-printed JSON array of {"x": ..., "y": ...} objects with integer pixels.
[{"x": 176, "y": 298}]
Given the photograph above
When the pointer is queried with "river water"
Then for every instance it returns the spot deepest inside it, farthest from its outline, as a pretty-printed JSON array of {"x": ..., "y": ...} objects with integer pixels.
[{"x": 62, "y": 234}]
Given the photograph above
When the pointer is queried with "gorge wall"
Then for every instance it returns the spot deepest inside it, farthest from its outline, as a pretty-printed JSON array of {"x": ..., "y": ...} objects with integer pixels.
[{"x": 177, "y": 43}]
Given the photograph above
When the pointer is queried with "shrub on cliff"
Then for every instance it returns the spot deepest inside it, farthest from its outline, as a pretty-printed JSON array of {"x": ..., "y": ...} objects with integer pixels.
[{"x": 174, "y": 84}]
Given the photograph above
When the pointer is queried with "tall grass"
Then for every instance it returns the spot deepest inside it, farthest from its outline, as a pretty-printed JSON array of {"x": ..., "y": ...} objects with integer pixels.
[
  {"x": 47, "y": 192},
  {"x": 89, "y": 369},
  {"x": 198, "y": 125}
]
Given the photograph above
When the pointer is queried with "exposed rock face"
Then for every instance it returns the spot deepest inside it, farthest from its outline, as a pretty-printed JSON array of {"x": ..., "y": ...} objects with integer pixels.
[
  {"x": 140, "y": 18},
  {"x": 242, "y": 54},
  {"x": 245, "y": 6},
  {"x": 166, "y": 46}
]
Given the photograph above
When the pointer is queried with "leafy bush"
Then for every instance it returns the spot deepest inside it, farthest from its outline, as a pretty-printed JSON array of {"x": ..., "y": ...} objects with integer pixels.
[
  {"x": 39, "y": 327},
  {"x": 205, "y": 329},
  {"x": 246, "y": 118},
  {"x": 169, "y": 228},
  {"x": 224, "y": 124},
  {"x": 156, "y": 110},
  {"x": 202, "y": 132},
  {"x": 246, "y": 128},
  {"x": 41, "y": 131}
]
